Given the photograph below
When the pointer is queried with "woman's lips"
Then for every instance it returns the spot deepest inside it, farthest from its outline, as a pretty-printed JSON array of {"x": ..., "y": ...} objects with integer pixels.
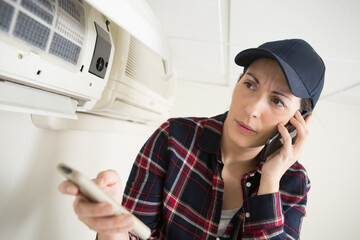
[{"x": 245, "y": 129}]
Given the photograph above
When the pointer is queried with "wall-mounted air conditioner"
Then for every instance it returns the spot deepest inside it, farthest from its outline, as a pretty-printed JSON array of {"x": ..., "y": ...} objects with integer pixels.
[{"x": 103, "y": 57}]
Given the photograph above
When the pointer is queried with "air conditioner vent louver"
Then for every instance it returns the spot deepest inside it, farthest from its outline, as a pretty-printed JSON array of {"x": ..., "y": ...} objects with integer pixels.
[{"x": 145, "y": 66}]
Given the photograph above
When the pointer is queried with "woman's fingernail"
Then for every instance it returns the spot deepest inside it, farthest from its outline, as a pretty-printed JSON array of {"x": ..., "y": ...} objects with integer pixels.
[
  {"x": 70, "y": 189},
  {"x": 99, "y": 180}
]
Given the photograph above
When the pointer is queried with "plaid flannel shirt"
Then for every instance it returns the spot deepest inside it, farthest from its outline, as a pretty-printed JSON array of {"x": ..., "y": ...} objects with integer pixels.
[{"x": 175, "y": 187}]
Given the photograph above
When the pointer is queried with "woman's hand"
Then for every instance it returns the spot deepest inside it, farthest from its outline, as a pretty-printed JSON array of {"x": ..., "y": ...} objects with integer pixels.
[
  {"x": 281, "y": 160},
  {"x": 99, "y": 216}
]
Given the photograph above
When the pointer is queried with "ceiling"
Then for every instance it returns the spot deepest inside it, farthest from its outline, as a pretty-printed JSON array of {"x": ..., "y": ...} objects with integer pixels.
[{"x": 205, "y": 35}]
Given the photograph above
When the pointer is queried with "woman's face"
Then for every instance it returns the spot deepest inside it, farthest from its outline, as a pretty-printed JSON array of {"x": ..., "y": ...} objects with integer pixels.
[{"x": 261, "y": 100}]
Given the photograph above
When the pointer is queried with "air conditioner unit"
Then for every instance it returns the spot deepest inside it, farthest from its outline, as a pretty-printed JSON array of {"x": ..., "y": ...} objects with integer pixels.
[{"x": 102, "y": 57}]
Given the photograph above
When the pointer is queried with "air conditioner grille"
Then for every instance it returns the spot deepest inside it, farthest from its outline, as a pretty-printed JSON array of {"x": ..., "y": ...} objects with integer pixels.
[
  {"x": 75, "y": 10},
  {"x": 65, "y": 49},
  {"x": 6, "y": 15},
  {"x": 71, "y": 21},
  {"x": 31, "y": 31},
  {"x": 48, "y": 4},
  {"x": 44, "y": 9},
  {"x": 57, "y": 29},
  {"x": 146, "y": 66}
]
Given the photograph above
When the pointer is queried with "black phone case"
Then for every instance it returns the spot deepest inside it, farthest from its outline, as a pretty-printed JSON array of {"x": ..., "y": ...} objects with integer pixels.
[{"x": 275, "y": 142}]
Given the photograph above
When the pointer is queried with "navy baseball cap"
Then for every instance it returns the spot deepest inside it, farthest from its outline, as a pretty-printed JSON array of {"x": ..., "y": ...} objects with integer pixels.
[{"x": 302, "y": 66}]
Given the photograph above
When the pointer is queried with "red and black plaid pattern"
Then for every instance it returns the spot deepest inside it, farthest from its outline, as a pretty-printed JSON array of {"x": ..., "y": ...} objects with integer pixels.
[{"x": 175, "y": 187}]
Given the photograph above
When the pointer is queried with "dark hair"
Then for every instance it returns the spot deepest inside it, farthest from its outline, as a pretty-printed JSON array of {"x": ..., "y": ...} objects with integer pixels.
[{"x": 305, "y": 104}]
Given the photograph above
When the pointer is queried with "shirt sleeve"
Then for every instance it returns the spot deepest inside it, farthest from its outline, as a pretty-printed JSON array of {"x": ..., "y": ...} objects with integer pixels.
[
  {"x": 275, "y": 216},
  {"x": 144, "y": 189}
]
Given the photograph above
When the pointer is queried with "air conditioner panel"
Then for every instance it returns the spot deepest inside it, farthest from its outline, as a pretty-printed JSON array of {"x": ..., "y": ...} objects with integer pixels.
[
  {"x": 66, "y": 48},
  {"x": 54, "y": 55},
  {"x": 126, "y": 111},
  {"x": 141, "y": 79},
  {"x": 147, "y": 67},
  {"x": 38, "y": 73},
  {"x": 102, "y": 51},
  {"x": 132, "y": 95}
]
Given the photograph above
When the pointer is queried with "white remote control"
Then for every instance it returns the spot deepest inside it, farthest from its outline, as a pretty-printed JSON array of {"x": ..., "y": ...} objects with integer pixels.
[{"x": 94, "y": 193}]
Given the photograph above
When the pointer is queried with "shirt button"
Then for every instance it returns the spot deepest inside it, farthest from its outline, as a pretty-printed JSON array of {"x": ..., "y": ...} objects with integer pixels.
[
  {"x": 248, "y": 184},
  {"x": 247, "y": 214}
]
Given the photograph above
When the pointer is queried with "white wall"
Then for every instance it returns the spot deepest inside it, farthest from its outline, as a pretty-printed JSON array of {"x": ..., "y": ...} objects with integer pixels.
[
  {"x": 332, "y": 160},
  {"x": 30, "y": 206},
  {"x": 32, "y": 209}
]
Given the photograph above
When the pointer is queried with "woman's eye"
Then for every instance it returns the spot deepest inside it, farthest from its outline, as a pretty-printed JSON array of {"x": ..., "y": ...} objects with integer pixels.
[
  {"x": 249, "y": 85},
  {"x": 278, "y": 102}
]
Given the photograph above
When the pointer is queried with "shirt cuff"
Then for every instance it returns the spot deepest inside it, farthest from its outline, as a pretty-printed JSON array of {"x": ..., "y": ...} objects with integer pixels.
[{"x": 263, "y": 212}]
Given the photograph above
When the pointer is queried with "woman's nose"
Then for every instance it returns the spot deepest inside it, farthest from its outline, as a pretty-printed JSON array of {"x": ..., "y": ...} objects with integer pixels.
[{"x": 255, "y": 107}]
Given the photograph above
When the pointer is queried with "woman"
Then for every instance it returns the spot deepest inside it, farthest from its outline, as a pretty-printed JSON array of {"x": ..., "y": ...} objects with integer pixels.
[{"x": 205, "y": 178}]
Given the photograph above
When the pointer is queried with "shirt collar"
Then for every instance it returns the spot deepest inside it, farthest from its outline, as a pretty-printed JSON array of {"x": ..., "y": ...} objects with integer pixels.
[{"x": 209, "y": 139}]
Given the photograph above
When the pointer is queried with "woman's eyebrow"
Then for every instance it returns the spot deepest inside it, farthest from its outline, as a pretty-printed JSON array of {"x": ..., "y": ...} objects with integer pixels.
[
  {"x": 253, "y": 76},
  {"x": 282, "y": 94},
  {"x": 275, "y": 92}
]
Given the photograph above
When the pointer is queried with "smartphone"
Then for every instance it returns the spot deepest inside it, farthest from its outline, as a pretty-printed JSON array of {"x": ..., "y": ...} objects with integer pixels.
[
  {"x": 277, "y": 141},
  {"x": 95, "y": 194}
]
